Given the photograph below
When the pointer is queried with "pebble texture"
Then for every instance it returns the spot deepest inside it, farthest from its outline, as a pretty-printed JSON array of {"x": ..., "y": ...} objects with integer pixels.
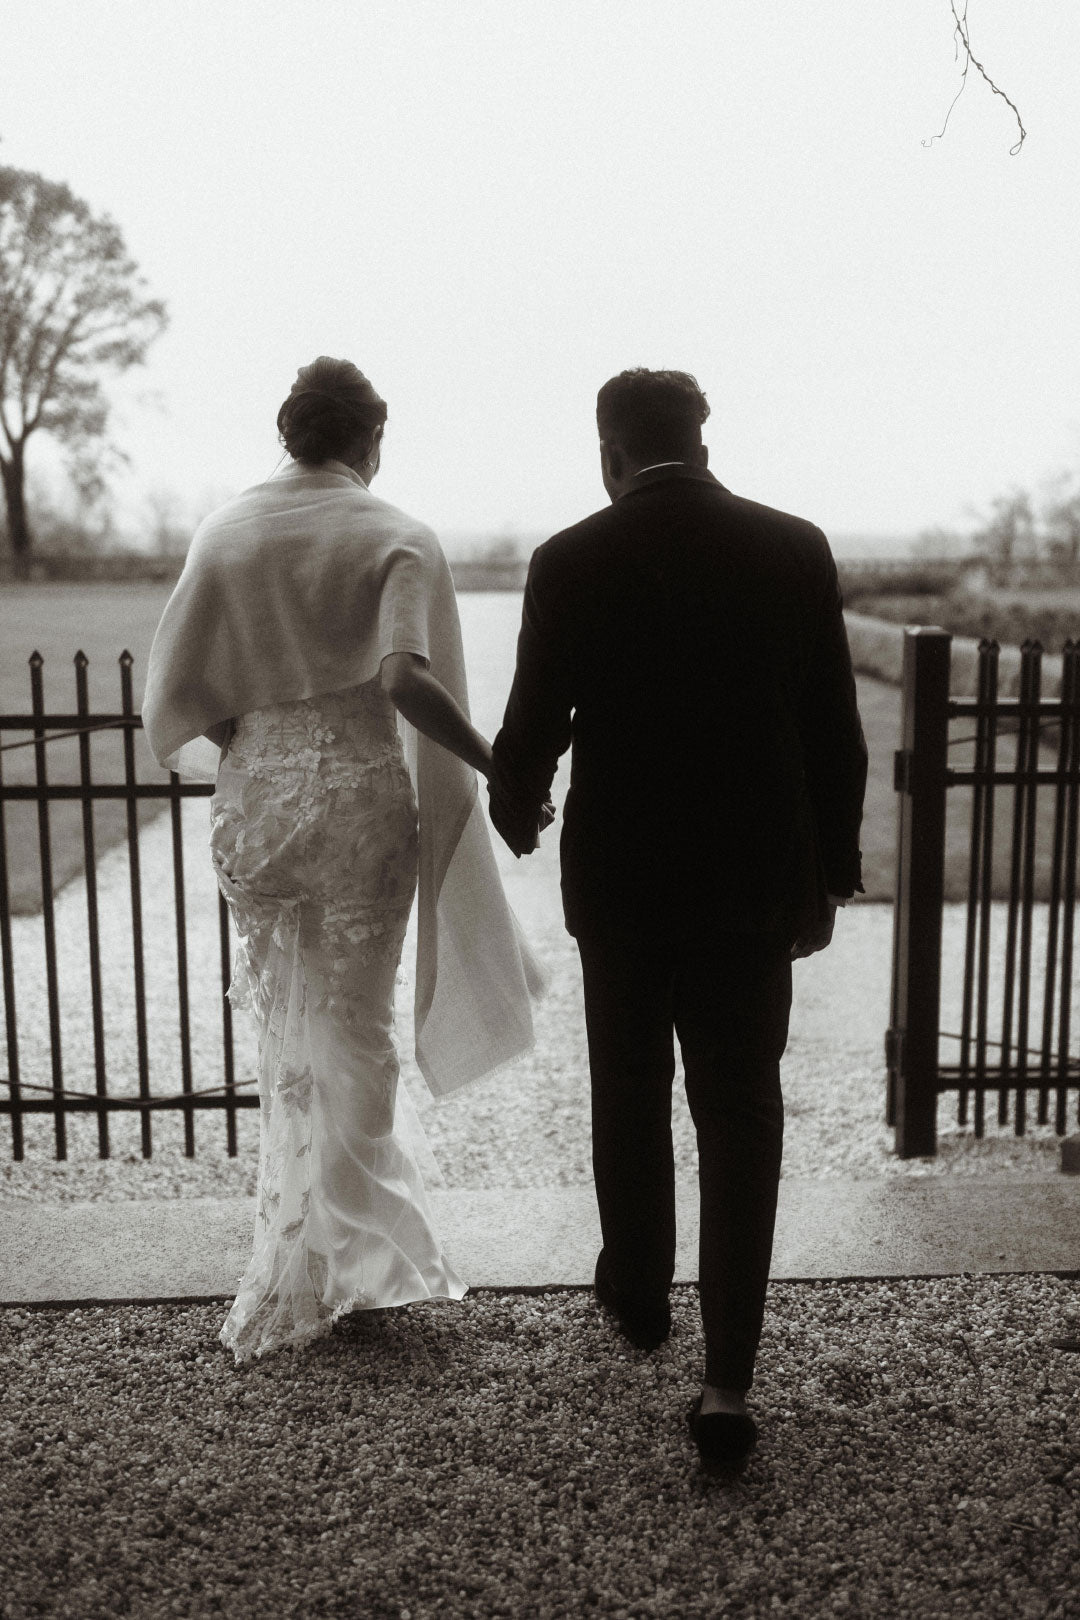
[{"x": 510, "y": 1456}]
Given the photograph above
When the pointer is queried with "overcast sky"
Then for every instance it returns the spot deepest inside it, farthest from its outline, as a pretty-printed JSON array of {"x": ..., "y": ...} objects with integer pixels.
[{"x": 492, "y": 206}]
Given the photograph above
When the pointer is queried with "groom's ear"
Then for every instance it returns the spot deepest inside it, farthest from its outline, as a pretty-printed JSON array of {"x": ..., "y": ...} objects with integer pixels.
[{"x": 612, "y": 460}]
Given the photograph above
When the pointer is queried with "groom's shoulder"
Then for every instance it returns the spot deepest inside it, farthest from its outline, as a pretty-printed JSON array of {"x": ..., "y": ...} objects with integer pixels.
[
  {"x": 788, "y": 546},
  {"x": 575, "y": 543},
  {"x": 587, "y": 542},
  {"x": 786, "y": 527}
]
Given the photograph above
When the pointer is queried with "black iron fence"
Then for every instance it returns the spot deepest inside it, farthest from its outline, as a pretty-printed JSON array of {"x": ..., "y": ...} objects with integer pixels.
[
  {"x": 1012, "y": 1034},
  {"x": 1011, "y": 1029},
  {"x": 20, "y": 1096}
]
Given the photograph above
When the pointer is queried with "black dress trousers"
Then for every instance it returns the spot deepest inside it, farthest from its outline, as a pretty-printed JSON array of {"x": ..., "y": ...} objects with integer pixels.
[{"x": 728, "y": 1002}]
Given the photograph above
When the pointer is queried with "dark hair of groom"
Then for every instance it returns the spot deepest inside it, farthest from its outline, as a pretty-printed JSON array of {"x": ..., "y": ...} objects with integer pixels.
[{"x": 652, "y": 415}]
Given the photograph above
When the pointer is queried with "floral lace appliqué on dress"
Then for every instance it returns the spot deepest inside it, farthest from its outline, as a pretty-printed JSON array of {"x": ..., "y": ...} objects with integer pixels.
[{"x": 314, "y": 842}]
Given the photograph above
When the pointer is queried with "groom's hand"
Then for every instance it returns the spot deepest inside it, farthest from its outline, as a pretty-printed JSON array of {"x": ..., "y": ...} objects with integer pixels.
[
  {"x": 817, "y": 937},
  {"x": 518, "y": 824},
  {"x": 518, "y": 831}
]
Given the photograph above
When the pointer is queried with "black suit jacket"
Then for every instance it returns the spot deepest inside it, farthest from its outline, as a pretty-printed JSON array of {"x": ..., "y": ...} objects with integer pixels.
[{"x": 691, "y": 646}]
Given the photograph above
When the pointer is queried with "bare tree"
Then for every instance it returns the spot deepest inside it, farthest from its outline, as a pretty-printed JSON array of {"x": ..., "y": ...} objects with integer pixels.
[
  {"x": 1007, "y": 536},
  {"x": 1061, "y": 523},
  {"x": 72, "y": 306},
  {"x": 962, "y": 45}
]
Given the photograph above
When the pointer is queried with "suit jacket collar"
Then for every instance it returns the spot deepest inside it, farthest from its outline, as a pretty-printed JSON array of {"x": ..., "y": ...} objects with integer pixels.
[{"x": 679, "y": 469}]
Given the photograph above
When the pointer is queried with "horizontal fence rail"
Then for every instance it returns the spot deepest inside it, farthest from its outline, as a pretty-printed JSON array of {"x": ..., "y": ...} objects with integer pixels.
[
  {"x": 1017, "y": 1035},
  {"x": 21, "y": 1096}
]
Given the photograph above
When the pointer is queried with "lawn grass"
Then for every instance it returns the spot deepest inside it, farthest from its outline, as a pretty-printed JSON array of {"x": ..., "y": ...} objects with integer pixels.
[
  {"x": 1009, "y": 616},
  {"x": 58, "y": 619}
]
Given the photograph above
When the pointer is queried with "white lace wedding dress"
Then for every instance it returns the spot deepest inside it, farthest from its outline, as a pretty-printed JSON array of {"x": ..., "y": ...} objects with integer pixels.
[{"x": 314, "y": 841}]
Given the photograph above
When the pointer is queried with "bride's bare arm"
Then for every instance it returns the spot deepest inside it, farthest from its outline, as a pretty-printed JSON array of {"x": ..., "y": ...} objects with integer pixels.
[{"x": 428, "y": 706}]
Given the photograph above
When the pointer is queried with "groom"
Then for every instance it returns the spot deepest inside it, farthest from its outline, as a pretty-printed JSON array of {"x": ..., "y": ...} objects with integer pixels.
[{"x": 690, "y": 645}]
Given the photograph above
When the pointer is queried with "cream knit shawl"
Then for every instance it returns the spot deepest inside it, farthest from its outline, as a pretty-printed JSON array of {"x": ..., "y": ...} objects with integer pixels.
[{"x": 303, "y": 585}]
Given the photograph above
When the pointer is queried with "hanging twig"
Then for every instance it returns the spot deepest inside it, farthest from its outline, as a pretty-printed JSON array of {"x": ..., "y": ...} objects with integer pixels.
[{"x": 963, "y": 39}]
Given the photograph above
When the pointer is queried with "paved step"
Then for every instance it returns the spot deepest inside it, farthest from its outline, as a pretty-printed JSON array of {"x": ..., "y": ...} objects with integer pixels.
[{"x": 531, "y": 1238}]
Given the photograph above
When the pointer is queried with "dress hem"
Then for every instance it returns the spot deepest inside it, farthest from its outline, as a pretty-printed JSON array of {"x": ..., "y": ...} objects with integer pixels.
[{"x": 323, "y": 1328}]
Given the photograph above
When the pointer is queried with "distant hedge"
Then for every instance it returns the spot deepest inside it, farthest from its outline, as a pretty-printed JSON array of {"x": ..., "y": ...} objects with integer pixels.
[
  {"x": 126, "y": 567},
  {"x": 119, "y": 566},
  {"x": 1007, "y": 622},
  {"x": 930, "y": 577}
]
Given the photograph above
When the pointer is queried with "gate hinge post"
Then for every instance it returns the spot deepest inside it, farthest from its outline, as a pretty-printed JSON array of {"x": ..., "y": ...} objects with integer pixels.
[
  {"x": 903, "y": 761},
  {"x": 894, "y": 1049}
]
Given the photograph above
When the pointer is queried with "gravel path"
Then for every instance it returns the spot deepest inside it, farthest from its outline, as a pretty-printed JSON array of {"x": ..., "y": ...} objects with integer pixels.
[
  {"x": 508, "y": 1456},
  {"x": 526, "y": 1127}
]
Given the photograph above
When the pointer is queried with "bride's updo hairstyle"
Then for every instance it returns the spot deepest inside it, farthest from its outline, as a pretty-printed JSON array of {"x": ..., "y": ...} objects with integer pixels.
[{"x": 330, "y": 406}]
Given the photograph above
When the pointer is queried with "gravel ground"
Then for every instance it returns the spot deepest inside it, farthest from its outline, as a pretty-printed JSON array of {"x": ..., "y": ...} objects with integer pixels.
[{"x": 509, "y": 1456}]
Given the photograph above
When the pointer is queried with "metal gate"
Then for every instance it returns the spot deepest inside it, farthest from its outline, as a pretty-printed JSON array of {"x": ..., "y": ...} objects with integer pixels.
[
  {"x": 1011, "y": 1032},
  {"x": 21, "y": 1097}
]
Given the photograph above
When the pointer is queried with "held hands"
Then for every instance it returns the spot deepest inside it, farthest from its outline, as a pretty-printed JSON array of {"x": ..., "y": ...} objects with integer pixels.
[
  {"x": 515, "y": 814},
  {"x": 518, "y": 828},
  {"x": 546, "y": 817}
]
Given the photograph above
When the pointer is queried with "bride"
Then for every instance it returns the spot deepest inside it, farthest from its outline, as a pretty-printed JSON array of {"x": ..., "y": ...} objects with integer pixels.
[{"x": 309, "y": 617}]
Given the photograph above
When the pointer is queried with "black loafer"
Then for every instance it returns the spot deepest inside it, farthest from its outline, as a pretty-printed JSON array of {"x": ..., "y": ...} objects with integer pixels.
[
  {"x": 644, "y": 1326},
  {"x": 724, "y": 1439}
]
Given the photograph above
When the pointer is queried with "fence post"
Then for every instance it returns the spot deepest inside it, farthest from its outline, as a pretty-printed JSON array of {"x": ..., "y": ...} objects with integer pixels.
[{"x": 921, "y": 767}]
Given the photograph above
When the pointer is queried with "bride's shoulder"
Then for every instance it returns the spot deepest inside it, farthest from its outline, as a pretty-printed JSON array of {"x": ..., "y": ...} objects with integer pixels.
[
  {"x": 210, "y": 533},
  {"x": 401, "y": 527}
]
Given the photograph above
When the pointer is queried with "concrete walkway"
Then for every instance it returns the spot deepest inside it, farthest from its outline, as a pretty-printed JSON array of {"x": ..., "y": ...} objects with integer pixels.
[{"x": 196, "y": 1248}]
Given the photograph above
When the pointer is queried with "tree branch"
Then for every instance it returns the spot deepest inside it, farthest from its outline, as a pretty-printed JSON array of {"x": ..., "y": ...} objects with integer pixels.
[
  {"x": 37, "y": 339},
  {"x": 68, "y": 337},
  {"x": 963, "y": 40}
]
